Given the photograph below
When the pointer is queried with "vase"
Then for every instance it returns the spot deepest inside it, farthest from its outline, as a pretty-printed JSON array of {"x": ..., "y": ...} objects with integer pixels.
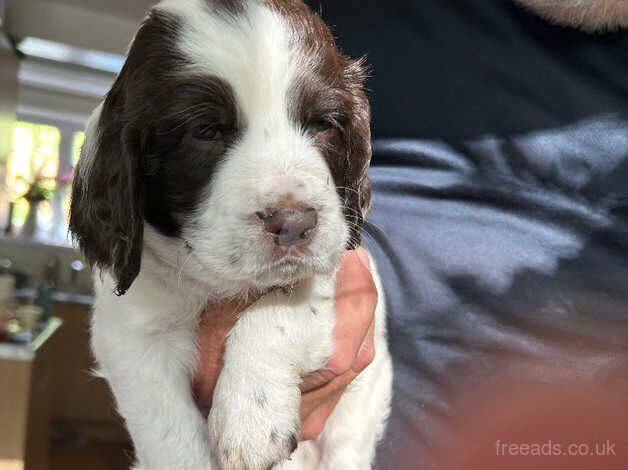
[{"x": 29, "y": 229}]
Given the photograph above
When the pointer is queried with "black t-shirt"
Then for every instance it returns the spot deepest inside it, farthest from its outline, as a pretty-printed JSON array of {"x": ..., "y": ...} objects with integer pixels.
[{"x": 500, "y": 224}]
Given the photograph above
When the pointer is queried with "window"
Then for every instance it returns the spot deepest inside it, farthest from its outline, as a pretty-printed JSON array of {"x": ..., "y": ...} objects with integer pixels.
[
  {"x": 44, "y": 154},
  {"x": 34, "y": 158},
  {"x": 35, "y": 154}
]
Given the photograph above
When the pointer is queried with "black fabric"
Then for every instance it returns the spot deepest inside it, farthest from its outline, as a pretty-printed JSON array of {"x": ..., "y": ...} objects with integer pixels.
[
  {"x": 458, "y": 70},
  {"x": 500, "y": 224}
]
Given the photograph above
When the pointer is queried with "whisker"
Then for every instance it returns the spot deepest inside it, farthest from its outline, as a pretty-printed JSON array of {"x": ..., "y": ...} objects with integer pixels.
[
  {"x": 367, "y": 228},
  {"x": 348, "y": 189}
]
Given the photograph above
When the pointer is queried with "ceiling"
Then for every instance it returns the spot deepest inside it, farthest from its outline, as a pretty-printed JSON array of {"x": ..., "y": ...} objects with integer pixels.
[
  {"x": 133, "y": 9},
  {"x": 105, "y": 25}
]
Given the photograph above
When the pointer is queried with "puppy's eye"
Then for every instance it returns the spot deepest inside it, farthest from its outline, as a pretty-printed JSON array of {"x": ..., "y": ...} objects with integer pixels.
[
  {"x": 209, "y": 133},
  {"x": 321, "y": 125}
]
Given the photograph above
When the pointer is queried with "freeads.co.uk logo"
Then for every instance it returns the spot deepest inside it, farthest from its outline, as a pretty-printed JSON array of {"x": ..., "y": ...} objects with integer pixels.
[{"x": 555, "y": 449}]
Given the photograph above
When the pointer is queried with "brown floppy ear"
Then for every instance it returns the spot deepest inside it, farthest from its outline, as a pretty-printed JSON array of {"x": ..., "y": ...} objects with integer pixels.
[
  {"x": 357, "y": 196},
  {"x": 106, "y": 215}
]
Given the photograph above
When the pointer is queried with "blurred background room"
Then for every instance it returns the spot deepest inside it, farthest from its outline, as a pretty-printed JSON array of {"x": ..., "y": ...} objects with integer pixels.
[{"x": 57, "y": 59}]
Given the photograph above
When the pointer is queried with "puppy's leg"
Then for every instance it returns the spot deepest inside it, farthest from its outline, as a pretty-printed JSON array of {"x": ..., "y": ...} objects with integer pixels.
[
  {"x": 254, "y": 420},
  {"x": 146, "y": 351}
]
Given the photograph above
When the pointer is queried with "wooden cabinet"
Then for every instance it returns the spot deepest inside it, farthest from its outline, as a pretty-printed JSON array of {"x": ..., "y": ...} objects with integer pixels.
[
  {"x": 51, "y": 388},
  {"x": 25, "y": 402},
  {"x": 77, "y": 394}
]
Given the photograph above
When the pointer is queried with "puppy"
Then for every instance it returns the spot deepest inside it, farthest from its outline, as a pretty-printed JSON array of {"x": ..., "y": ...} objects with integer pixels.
[{"x": 229, "y": 159}]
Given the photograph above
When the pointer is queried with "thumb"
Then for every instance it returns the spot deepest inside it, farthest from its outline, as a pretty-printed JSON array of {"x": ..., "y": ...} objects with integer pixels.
[{"x": 363, "y": 256}]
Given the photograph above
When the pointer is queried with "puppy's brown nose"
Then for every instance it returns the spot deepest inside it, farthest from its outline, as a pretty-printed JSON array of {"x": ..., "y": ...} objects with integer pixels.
[{"x": 290, "y": 226}]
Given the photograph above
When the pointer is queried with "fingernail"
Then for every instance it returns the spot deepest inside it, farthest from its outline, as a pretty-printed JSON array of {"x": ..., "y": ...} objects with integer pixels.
[{"x": 363, "y": 257}]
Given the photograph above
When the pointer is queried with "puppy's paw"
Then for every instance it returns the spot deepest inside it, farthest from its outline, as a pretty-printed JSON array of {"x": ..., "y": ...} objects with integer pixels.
[
  {"x": 277, "y": 451},
  {"x": 254, "y": 428}
]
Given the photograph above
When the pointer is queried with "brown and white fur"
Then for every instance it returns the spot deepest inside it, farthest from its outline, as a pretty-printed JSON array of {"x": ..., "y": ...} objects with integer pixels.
[{"x": 224, "y": 110}]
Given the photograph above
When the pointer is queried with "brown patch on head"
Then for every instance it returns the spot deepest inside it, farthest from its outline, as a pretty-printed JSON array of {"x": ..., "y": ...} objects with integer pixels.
[
  {"x": 330, "y": 102},
  {"x": 159, "y": 138}
]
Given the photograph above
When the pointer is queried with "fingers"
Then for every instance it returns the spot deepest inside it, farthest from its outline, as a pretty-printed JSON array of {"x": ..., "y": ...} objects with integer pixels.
[
  {"x": 356, "y": 300},
  {"x": 216, "y": 322},
  {"x": 366, "y": 354},
  {"x": 314, "y": 424},
  {"x": 318, "y": 403},
  {"x": 317, "y": 397}
]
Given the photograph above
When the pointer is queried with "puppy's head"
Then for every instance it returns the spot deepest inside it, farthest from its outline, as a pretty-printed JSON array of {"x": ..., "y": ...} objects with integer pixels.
[{"x": 235, "y": 142}]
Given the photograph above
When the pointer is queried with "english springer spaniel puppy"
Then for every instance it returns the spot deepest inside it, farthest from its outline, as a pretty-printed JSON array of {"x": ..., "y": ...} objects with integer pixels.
[{"x": 229, "y": 160}]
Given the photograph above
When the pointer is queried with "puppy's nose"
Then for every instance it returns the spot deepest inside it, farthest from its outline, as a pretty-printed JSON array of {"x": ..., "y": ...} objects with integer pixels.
[{"x": 290, "y": 226}]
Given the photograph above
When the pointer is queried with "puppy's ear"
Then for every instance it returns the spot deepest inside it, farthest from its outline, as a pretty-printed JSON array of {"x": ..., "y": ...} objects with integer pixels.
[
  {"x": 106, "y": 215},
  {"x": 358, "y": 145}
]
